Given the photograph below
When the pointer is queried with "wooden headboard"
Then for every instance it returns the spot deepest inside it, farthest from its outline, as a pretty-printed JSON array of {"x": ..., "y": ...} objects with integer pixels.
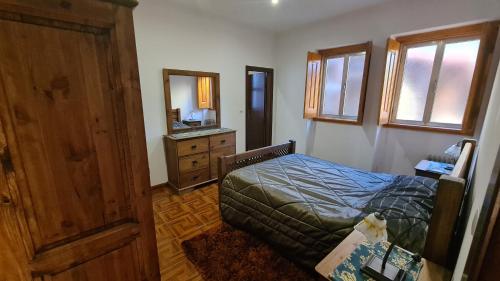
[
  {"x": 175, "y": 114},
  {"x": 447, "y": 203},
  {"x": 227, "y": 164},
  {"x": 445, "y": 214}
]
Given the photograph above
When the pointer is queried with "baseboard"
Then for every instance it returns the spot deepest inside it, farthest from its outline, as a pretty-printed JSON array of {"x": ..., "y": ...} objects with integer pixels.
[{"x": 161, "y": 185}]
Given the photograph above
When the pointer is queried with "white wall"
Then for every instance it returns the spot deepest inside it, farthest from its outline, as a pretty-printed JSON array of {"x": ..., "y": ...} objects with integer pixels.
[
  {"x": 183, "y": 94},
  {"x": 168, "y": 36},
  {"x": 172, "y": 37},
  {"x": 488, "y": 148},
  {"x": 368, "y": 146}
]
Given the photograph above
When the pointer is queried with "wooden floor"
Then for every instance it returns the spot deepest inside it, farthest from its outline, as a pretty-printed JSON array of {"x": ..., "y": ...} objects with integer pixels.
[{"x": 179, "y": 218}]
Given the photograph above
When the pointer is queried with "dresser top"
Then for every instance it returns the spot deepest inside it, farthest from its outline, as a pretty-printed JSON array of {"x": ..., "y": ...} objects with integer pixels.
[{"x": 201, "y": 133}]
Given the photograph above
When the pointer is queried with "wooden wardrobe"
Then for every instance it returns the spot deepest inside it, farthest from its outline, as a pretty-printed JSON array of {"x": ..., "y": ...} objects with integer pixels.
[{"x": 75, "y": 200}]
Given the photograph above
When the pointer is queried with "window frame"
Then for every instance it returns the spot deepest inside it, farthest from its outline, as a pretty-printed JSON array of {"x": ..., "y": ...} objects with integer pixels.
[
  {"x": 485, "y": 32},
  {"x": 345, "y": 52}
]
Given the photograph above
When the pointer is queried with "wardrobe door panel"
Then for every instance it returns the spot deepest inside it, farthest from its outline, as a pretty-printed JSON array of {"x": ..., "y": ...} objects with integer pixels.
[
  {"x": 116, "y": 265},
  {"x": 60, "y": 97},
  {"x": 75, "y": 201}
]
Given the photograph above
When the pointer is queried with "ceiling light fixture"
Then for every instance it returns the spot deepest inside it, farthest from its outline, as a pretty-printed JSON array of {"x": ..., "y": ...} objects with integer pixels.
[{"x": 275, "y": 2}]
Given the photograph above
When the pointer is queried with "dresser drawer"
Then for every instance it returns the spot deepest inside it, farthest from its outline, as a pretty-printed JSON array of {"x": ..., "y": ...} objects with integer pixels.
[
  {"x": 214, "y": 156},
  {"x": 194, "y": 177},
  {"x": 189, "y": 147},
  {"x": 223, "y": 140},
  {"x": 194, "y": 162}
]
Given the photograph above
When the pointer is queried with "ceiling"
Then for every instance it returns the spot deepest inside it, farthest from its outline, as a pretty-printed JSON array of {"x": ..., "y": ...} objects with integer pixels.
[{"x": 285, "y": 15}]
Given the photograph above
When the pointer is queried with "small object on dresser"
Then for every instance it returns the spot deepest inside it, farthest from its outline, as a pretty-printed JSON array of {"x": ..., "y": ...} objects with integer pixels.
[{"x": 192, "y": 122}]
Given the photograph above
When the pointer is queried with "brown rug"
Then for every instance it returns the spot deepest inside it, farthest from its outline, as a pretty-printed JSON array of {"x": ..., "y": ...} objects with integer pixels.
[{"x": 225, "y": 253}]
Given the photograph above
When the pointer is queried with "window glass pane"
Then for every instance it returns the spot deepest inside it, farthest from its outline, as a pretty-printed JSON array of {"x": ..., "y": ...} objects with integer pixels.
[
  {"x": 333, "y": 85},
  {"x": 416, "y": 78},
  {"x": 455, "y": 77},
  {"x": 353, "y": 85}
]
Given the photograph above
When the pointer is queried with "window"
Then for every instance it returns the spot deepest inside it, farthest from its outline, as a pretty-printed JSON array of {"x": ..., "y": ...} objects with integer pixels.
[
  {"x": 336, "y": 84},
  {"x": 433, "y": 80}
]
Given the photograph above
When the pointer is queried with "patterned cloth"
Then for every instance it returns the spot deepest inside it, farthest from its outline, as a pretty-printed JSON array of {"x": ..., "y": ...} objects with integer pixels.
[{"x": 350, "y": 269}]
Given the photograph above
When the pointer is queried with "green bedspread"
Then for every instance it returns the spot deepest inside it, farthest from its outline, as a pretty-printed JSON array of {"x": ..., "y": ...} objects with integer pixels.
[{"x": 305, "y": 206}]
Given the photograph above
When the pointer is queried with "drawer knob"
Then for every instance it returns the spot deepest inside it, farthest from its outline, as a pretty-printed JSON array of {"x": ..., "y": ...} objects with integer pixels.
[
  {"x": 223, "y": 141},
  {"x": 193, "y": 146},
  {"x": 195, "y": 177},
  {"x": 195, "y": 163}
]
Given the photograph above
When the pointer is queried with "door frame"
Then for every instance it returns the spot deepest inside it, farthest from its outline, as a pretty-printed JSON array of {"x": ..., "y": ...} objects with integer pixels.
[
  {"x": 268, "y": 102},
  {"x": 486, "y": 229}
]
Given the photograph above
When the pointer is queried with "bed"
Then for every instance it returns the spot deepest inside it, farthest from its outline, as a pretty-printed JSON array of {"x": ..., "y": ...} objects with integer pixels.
[
  {"x": 175, "y": 115},
  {"x": 305, "y": 206}
]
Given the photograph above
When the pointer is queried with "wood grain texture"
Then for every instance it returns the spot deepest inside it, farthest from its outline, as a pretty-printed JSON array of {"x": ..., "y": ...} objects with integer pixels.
[
  {"x": 116, "y": 265},
  {"x": 389, "y": 77},
  {"x": 222, "y": 140},
  {"x": 193, "y": 162},
  {"x": 189, "y": 147},
  {"x": 259, "y": 117},
  {"x": 483, "y": 260},
  {"x": 214, "y": 157},
  {"x": 128, "y": 77},
  {"x": 205, "y": 92},
  {"x": 195, "y": 177},
  {"x": 74, "y": 143},
  {"x": 229, "y": 163},
  {"x": 215, "y": 99},
  {"x": 66, "y": 129},
  {"x": 313, "y": 85},
  {"x": 486, "y": 32},
  {"x": 445, "y": 214},
  {"x": 64, "y": 257},
  {"x": 12, "y": 255}
]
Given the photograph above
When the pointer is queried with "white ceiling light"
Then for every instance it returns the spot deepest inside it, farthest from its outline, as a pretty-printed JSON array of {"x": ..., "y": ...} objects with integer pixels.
[{"x": 275, "y": 2}]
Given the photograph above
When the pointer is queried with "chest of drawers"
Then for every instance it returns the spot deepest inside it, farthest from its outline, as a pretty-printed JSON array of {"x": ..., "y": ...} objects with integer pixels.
[{"x": 192, "y": 161}]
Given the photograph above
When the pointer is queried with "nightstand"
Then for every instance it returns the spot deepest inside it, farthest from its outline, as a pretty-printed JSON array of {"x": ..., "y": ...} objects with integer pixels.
[
  {"x": 433, "y": 169},
  {"x": 429, "y": 272}
]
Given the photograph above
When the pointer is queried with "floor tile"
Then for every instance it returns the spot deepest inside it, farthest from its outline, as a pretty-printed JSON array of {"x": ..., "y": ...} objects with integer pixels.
[{"x": 179, "y": 218}]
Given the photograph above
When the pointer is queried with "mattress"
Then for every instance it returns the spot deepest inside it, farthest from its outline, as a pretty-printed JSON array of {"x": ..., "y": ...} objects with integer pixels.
[{"x": 305, "y": 206}]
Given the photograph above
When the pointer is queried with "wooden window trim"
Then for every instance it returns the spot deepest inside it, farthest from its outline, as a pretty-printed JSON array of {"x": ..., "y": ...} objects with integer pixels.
[
  {"x": 485, "y": 32},
  {"x": 345, "y": 50},
  {"x": 324, "y": 55}
]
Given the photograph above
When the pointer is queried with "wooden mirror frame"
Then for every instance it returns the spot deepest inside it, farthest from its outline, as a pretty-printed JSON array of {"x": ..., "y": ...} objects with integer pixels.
[{"x": 168, "y": 99}]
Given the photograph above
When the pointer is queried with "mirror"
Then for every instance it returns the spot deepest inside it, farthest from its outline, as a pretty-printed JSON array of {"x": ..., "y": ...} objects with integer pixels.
[{"x": 191, "y": 100}]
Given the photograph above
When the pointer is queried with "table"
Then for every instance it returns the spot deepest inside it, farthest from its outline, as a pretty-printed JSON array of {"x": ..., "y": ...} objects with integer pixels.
[
  {"x": 430, "y": 271},
  {"x": 433, "y": 169}
]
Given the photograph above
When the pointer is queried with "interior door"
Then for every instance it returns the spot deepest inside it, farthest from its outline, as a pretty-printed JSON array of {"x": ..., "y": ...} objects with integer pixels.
[
  {"x": 259, "y": 94},
  {"x": 71, "y": 148}
]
